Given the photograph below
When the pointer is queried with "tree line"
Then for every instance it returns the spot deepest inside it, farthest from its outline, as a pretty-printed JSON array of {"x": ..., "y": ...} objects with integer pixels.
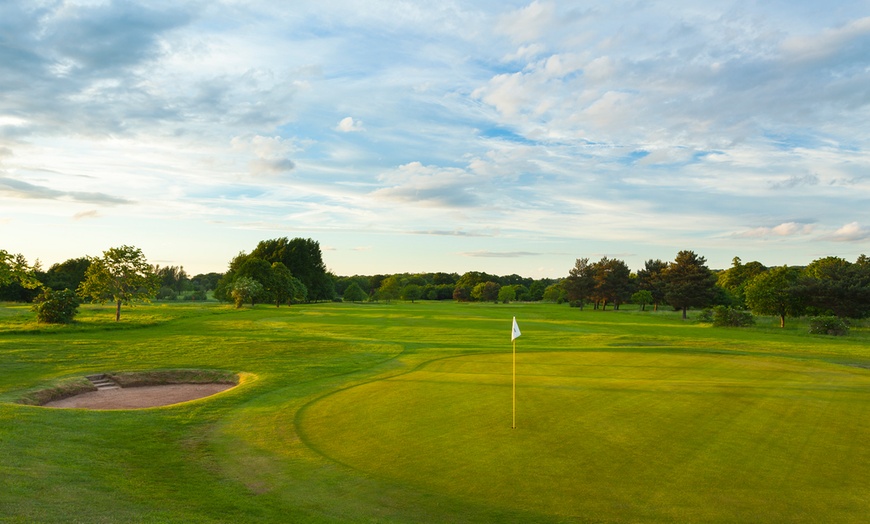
[{"x": 286, "y": 271}]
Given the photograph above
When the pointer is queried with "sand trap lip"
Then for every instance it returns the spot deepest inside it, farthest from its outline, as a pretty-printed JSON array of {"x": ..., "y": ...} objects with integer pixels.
[{"x": 140, "y": 397}]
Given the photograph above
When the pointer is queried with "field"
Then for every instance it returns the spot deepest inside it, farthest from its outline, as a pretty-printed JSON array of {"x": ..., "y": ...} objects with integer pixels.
[{"x": 402, "y": 413}]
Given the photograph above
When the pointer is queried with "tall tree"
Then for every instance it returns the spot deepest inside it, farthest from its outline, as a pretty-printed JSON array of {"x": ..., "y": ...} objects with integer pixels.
[
  {"x": 836, "y": 286},
  {"x": 689, "y": 282},
  {"x": 612, "y": 282},
  {"x": 776, "y": 292},
  {"x": 67, "y": 275},
  {"x": 734, "y": 279},
  {"x": 303, "y": 258},
  {"x": 122, "y": 275},
  {"x": 651, "y": 279},
  {"x": 354, "y": 293},
  {"x": 14, "y": 269},
  {"x": 580, "y": 282}
]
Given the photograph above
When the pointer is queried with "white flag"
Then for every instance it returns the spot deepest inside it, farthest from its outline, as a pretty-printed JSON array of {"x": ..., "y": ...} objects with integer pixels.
[{"x": 515, "y": 331}]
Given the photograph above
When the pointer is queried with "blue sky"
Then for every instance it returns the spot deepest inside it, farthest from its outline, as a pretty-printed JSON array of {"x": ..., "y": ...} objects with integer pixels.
[{"x": 506, "y": 137}]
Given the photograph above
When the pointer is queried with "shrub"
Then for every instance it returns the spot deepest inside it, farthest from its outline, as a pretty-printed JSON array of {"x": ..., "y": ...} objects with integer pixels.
[
  {"x": 56, "y": 307},
  {"x": 167, "y": 293},
  {"x": 706, "y": 316},
  {"x": 724, "y": 316},
  {"x": 828, "y": 325}
]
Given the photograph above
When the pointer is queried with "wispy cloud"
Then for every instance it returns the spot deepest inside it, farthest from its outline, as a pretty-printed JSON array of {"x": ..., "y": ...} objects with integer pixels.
[
  {"x": 19, "y": 189},
  {"x": 786, "y": 229},
  {"x": 500, "y": 254}
]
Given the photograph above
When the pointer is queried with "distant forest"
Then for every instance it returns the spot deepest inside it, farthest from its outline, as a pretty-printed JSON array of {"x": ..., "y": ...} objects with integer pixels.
[{"x": 291, "y": 271}]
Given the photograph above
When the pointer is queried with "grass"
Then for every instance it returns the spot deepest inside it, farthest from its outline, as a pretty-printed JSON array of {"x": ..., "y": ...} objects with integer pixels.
[{"x": 401, "y": 413}]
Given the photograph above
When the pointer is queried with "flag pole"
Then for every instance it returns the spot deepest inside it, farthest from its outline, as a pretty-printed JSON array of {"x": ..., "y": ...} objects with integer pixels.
[
  {"x": 514, "y": 425},
  {"x": 515, "y": 332}
]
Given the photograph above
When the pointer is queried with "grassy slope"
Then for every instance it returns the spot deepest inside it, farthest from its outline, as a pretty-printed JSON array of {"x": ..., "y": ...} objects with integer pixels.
[{"x": 260, "y": 451}]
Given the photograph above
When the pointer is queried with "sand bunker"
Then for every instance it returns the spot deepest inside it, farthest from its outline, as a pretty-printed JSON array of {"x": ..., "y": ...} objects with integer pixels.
[{"x": 139, "y": 397}]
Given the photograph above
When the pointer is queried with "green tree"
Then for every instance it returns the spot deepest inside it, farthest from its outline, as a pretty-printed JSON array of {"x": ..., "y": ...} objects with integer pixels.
[
  {"x": 689, "y": 282},
  {"x": 245, "y": 289},
  {"x": 303, "y": 258},
  {"x": 260, "y": 270},
  {"x": 580, "y": 283},
  {"x": 123, "y": 276},
  {"x": 555, "y": 293},
  {"x": 507, "y": 294},
  {"x": 642, "y": 298},
  {"x": 412, "y": 292},
  {"x": 56, "y": 307},
  {"x": 611, "y": 282},
  {"x": 18, "y": 280},
  {"x": 776, "y": 292},
  {"x": 734, "y": 279},
  {"x": 486, "y": 291},
  {"x": 836, "y": 286},
  {"x": 354, "y": 293},
  {"x": 67, "y": 275},
  {"x": 281, "y": 282},
  {"x": 651, "y": 279},
  {"x": 391, "y": 288}
]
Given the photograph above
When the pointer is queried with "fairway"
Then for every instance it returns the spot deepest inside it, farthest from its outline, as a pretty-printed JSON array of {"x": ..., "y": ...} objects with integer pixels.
[
  {"x": 402, "y": 413},
  {"x": 658, "y": 436}
]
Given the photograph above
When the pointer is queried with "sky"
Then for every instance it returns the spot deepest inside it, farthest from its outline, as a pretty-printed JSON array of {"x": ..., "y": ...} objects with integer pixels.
[{"x": 410, "y": 136}]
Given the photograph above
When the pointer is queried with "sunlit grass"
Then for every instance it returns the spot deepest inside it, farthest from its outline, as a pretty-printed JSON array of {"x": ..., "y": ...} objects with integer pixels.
[{"x": 401, "y": 412}]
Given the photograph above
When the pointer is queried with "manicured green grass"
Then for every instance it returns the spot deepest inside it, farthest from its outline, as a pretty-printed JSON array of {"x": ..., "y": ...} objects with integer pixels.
[{"x": 402, "y": 413}]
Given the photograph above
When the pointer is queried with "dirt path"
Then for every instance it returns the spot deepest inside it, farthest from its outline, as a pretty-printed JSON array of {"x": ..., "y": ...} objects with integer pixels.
[{"x": 139, "y": 397}]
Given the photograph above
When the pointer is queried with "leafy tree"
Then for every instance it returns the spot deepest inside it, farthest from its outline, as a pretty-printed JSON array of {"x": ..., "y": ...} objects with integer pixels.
[
  {"x": 461, "y": 293},
  {"x": 67, "y": 275},
  {"x": 303, "y": 258},
  {"x": 486, "y": 291},
  {"x": 776, "y": 292},
  {"x": 689, "y": 282},
  {"x": 283, "y": 285},
  {"x": 555, "y": 293},
  {"x": 833, "y": 285},
  {"x": 173, "y": 277},
  {"x": 260, "y": 270},
  {"x": 507, "y": 294},
  {"x": 56, "y": 307},
  {"x": 354, "y": 293},
  {"x": 18, "y": 280},
  {"x": 205, "y": 281},
  {"x": 579, "y": 285},
  {"x": 651, "y": 279},
  {"x": 612, "y": 282},
  {"x": 734, "y": 279},
  {"x": 122, "y": 275},
  {"x": 537, "y": 289},
  {"x": 412, "y": 292},
  {"x": 245, "y": 289},
  {"x": 391, "y": 288},
  {"x": 642, "y": 297}
]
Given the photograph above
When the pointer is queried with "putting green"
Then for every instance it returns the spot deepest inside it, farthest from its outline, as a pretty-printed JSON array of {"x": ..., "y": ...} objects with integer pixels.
[{"x": 621, "y": 436}]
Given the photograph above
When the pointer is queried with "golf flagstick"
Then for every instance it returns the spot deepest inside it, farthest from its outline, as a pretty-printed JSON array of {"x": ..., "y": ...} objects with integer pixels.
[{"x": 515, "y": 332}]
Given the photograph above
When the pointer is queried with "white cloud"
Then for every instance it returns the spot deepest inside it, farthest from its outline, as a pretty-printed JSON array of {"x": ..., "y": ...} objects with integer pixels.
[
  {"x": 349, "y": 125},
  {"x": 786, "y": 229},
  {"x": 528, "y": 23},
  {"x": 851, "y": 232}
]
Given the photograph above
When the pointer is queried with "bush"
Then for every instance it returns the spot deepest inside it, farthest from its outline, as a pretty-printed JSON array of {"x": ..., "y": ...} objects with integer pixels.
[
  {"x": 828, "y": 325},
  {"x": 56, "y": 307},
  {"x": 724, "y": 316},
  {"x": 167, "y": 293}
]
